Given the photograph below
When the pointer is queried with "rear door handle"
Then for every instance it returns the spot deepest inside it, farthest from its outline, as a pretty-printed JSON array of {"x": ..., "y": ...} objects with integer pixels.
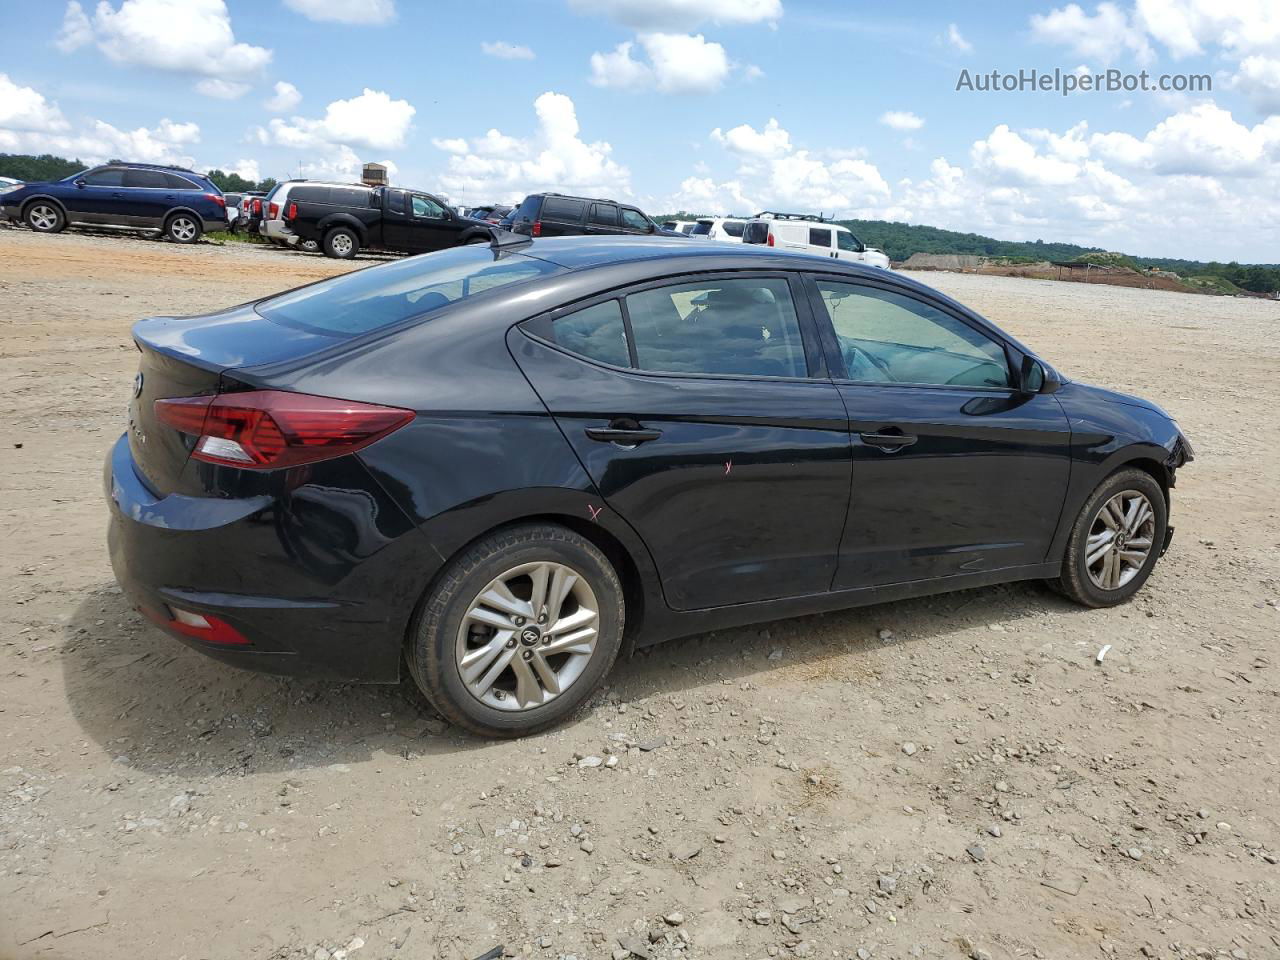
[
  {"x": 888, "y": 441},
  {"x": 627, "y": 436}
]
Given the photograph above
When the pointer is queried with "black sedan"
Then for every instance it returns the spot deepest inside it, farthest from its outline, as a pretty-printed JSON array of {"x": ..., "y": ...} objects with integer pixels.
[{"x": 503, "y": 464}]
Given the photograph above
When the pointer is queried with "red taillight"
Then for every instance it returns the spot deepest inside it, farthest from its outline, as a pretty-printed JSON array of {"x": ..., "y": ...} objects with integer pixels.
[
  {"x": 217, "y": 198},
  {"x": 536, "y": 229},
  {"x": 201, "y": 626},
  {"x": 257, "y": 206},
  {"x": 267, "y": 429},
  {"x": 273, "y": 210},
  {"x": 292, "y": 212},
  {"x": 770, "y": 240}
]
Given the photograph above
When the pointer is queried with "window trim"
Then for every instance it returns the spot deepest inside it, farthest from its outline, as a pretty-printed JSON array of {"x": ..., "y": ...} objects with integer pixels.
[
  {"x": 835, "y": 358},
  {"x": 537, "y": 328}
]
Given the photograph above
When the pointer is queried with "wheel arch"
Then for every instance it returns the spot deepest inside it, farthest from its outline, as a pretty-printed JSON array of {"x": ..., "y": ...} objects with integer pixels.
[
  {"x": 174, "y": 211},
  {"x": 336, "y": 220},
  {"x": 47, "y": 198}
]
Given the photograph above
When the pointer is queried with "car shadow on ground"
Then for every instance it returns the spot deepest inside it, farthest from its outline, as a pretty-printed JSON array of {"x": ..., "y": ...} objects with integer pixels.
[{"x": 158, "y": 707}]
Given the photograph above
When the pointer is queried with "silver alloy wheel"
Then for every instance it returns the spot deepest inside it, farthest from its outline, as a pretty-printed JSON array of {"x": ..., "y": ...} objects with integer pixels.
[
  {"x": 42, "y": 217},
  {"x": 182, "y": 228},
  {"x": 527, "y": 636},
  {"x": 1120, "y": 540},
  {"x": 341, "y": 244}
]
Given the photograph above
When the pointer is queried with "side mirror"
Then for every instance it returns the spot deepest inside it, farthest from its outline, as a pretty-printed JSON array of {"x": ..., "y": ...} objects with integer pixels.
[
  {"x": 80, "y": 184},
  {"x": 1033, "y": 378},
  {"x": 652, "y": 229}
]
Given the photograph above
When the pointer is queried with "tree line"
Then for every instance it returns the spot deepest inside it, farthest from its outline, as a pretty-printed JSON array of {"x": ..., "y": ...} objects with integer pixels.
[{"x": 36, "y": 169}]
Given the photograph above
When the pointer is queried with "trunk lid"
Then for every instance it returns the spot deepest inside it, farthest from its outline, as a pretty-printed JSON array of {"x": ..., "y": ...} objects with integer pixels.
[{"x": 187, "y": 357}]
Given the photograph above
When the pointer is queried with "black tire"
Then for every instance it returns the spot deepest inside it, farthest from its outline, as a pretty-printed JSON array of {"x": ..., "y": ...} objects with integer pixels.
[
  {"x": 433, "y": 636},
  {"x": 44, "y": 216},
  {"x": 1076, "y": 582},
  {"x": 341, "y": 244},
  {"x": 308, "y": 246},
  {"x": 183, "y": 228}
]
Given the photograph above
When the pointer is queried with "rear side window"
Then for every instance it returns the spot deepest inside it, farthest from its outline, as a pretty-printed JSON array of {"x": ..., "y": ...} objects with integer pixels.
[
  {"x": 359, "y": 302},
  {"x": 310, "y": 194},
  {"x": 113, "y": 177},
  {"x": 743, "y": 326},
  {"x": 604, "y": 215},
  {"x": 145, "y": 178},
  {"x": 634, "y": 219},
  {"x": 558, "y": 208},
  {"x": 175, "y": 182},
  {"x": 756, "y": 232},
  {"x": 819, "y": 238},
  {"x": 701, "y": 229},
  {"x": 596, "y": 333},
  {"x": 395, "y": 201},
  {"x": 349, "y": 196},
  {"x": 733, "y": 228},
  {"x": 528, "y": 209}
]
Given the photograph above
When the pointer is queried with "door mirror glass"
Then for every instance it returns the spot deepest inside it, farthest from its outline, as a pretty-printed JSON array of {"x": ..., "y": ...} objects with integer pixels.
[
  {"x": 1033, "y": 378},
  {"x": 80, "y": 184}
]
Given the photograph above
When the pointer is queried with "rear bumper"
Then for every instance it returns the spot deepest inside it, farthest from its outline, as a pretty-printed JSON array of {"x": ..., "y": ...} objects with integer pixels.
[
  {"x": 286, "y": 572},
  {"x": 276, "y": 230}
]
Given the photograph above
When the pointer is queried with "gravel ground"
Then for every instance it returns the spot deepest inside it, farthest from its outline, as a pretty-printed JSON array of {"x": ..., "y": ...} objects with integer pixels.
[{"x": 949, "y": 777}]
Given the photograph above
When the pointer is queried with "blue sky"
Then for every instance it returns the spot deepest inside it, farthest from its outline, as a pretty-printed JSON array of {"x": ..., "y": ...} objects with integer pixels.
[{"x": 708, "y": 105}]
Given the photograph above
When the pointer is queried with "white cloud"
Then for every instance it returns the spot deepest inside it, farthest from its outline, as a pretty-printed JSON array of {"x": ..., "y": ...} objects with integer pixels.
[
  {"x": 1007, "y": 158},
  {"x": 179, "y": 36},
  {"x": 901, "y": 120},
  {"x": 1104, "y": 36},
  {"x": 167, "y": 142},
  {"x": 345, "y": 11},
  {"x": 957, "y": 40},
  {"x": 1206, "y": 140},
  {"x": 681, "y": 15},
  {"x": 1188, "y": 27},
  {"x": 1258, "y": 78},
  {"x": 745, "y": 139},
  {"x": 677, "y": 63},
  {"x": 506, "y": 51},
  {"x": 243, "y": 168},
  {"x": 498, "y": 167},
  {"x": 76, "y": 30},
  {"x": 371, "y": 120},
  {"x": 285, "y": 98},
  {"x": 26, "y": 109},
  {"x": 221, "y": 89},
  {"x": 450, "y": 144}
]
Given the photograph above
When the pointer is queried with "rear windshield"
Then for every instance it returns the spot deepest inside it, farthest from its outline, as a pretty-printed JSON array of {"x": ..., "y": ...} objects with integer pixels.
[
  {"x": 756, "y": 232},
  {"x": 701, "y": 228},
  {"x": 359, "y": 302}
]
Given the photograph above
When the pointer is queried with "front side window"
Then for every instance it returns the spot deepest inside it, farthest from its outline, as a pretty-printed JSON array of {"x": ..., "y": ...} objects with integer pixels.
[
  {"x": 110, "y": 177},
  {"x": 427, "y": 208},
  {"x": 847, "y": 241},
  {"x": 744, "y": 326},
  {"x": 634, "y": 220},
  {"x": 595, "y": 332},
  {"x": 890, "y": 338},
  {"x": 819, "y": 238}
]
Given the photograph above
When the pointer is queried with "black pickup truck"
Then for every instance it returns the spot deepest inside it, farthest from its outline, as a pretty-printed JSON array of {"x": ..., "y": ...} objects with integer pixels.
[{"x": 344, "y": 220}]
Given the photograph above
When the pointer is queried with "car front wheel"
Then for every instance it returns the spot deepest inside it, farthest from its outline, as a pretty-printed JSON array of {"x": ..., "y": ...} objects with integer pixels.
[
  {"x": 518, "y": 631},
  {"x": 1116, "y": 540},
  {"x": 45, "y": 218}
]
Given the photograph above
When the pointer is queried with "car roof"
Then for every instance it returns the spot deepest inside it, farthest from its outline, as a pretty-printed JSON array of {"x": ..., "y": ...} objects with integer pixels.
[
  {"x": 677, "y": 254},
  {"x": 147, "y": 166}
]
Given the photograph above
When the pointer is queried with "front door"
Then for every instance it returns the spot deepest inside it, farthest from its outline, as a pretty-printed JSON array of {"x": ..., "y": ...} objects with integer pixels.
[
  {"x": 702, "y": 413},
  {"x": 431, "y": 227},
  {"x": 954, "y": 471},
  {"x": 99, "y": 197}
]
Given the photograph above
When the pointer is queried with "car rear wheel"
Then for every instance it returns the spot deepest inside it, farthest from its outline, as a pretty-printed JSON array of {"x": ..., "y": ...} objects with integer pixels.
[
  {"x": 183, "y": 228},
  {"x": 1116, "y": 540},
  {"x": 519, "y": 630},
  {"x": 341, "y": 244},
  {"x": 308, "y": 246},
  {"x": 45, "y": 217}
]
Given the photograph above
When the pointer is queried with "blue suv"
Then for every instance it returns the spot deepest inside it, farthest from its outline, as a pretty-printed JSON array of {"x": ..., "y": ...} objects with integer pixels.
[{"x": 179, "y": 203}]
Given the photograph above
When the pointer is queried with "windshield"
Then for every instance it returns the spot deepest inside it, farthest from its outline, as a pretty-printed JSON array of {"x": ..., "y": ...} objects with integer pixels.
[{"x": 368, "y": 299}]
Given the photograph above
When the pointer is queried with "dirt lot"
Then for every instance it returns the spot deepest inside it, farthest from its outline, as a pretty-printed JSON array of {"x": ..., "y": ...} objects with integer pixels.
[{"x": 972, "y": 785}]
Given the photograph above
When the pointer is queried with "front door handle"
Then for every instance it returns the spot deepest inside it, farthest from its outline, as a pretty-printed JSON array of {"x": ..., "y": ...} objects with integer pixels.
[
  {"x": 626, "y": 433},
  {"x": 888, "y": 441}
]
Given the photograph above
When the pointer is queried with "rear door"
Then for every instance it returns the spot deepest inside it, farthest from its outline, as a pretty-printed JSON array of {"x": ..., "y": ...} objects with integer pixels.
[
  {"x": 147, "y": 198},
  {"x": 821, "y": 241},
  {"x": 562, "y": 216},
  {"x": 954, "y": 471},
  {"x": 703, "y": 414},
  {"x": 603, "y": 219}
]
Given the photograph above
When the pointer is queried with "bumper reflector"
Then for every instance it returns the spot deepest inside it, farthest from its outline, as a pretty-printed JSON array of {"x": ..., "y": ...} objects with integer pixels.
[{"x": 200, "y": 626}]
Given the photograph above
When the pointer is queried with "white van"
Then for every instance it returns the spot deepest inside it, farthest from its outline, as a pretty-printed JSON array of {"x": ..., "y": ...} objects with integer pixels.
[
  {"x": 679, "y": 226},
  {"x": 728, "y": 229},
  {"x": 808, "y": 234}
]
